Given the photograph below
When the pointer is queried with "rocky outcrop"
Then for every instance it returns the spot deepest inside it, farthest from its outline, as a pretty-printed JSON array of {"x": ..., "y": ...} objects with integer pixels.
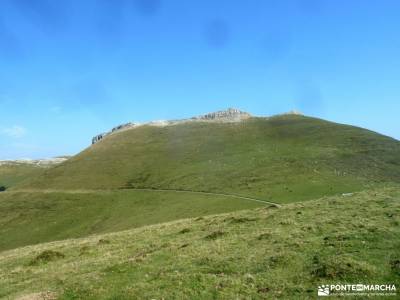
[
  {"x": 99, "y": 137},
  {"x": 37, "y": 162},
  {"x": 294, "y": 112},
  {"x": 229, "y": 115},
  {"x": 124, "y": 126}
]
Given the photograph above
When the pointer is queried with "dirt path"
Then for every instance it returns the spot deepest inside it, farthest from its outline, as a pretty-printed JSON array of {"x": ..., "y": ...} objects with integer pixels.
[
  {"x": 145, "y": 190},
  {"x": 210, "y": 193}
]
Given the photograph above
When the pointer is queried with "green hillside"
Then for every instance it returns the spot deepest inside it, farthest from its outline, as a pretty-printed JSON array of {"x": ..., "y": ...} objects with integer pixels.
[
  {"x": 12, "y": 174},
  {"x": 283, "y": 158},
  {"x": 35, "y": 217},
  {"x": 263, "y": 253},
  {"x": 209, "y": 181}
]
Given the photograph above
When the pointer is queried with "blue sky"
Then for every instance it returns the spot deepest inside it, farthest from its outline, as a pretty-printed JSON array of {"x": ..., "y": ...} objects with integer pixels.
[{"x": 71, "y": 69}]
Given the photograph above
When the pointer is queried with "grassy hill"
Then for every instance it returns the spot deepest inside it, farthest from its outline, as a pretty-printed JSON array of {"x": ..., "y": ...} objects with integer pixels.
[
  {"x": 12, "y": 174},
  {"x": 263, "y": 253},
  {"x": 215, "y": 245},
  {"x": 281, "y": 159},
  {"x": 36, "y": 217}
]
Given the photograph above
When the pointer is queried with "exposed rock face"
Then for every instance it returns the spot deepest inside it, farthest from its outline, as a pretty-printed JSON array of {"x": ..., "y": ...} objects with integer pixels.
[
  {"x": 116, "y": 128},
  {"x": 99, "y": 137},
  {"x": 294, "y": 112},
  {"x": 124, "y": 126},
  {"x": 229, "y": 115},
  {"x": 38, "y": 162}
]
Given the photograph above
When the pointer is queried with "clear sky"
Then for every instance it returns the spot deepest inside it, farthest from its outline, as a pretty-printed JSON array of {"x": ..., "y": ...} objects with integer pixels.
[{"x": 70, "y": 69}]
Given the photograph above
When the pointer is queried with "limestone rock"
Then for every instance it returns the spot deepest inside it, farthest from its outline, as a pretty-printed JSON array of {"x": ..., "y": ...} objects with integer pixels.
[
  {"x": 229, "y": 115},
  {"x": 37, "y": 162}
]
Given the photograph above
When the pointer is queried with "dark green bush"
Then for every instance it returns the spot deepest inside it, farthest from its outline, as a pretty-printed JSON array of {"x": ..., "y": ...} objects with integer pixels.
[{"x": 46, "y": 256}]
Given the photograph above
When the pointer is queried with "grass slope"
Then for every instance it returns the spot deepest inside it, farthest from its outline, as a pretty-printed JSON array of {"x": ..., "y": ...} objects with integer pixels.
[
  {"x": 37, "y": 217},
  {"x": 262, "y": 253},
  {"x": 280, "y": 159},
  {"x": 12, "y": 174}
]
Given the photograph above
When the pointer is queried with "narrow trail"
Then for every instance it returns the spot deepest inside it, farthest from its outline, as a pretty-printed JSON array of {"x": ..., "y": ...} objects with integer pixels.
[
  {"x": 146, "y": 190},
  {"x": 210, "y": 193}
]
